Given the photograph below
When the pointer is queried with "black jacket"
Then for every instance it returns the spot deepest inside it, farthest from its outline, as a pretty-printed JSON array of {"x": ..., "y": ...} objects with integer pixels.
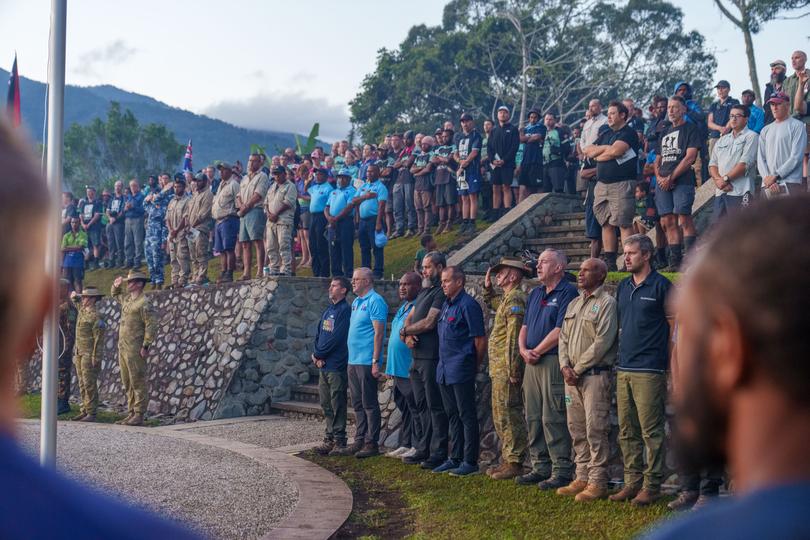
[{"x": 504, "y": 141}]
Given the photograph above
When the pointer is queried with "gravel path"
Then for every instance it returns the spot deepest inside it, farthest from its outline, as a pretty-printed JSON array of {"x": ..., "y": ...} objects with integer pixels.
[
  {"x": 220, "y": 493},
  {"x": 273, "y": 433}
]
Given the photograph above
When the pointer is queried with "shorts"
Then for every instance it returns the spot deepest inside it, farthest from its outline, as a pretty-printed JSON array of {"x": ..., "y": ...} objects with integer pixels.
[
  {"x": 305, "y": 219},
  {"x": 502, "y": 176},
  {"x": 678, "y": 200},
  {"x": 446, "y": 194},
  {"x": 73, "y": 273},
  {"x": 593, "y": 231},
  {"x": 531, "y": 175},
  {"x": 251, "y": 225},
  {"x": 614, "y": 204},
  {"x": 94, "y": 237},
  {"x": 644, "y": 223},
  {"x": 474, "y": 186},
  {"x": 225, "y": 233}
]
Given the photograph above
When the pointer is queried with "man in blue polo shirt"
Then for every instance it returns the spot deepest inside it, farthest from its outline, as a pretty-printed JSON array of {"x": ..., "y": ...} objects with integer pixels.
[
  {"x": 641, "y": 383},
  {"x": 366, "y": 333},
  {"x": 339, "y": 214},
  {"x": 318, "y": 244},
  {"x": 543, "y": 383},
  {"x": 331, "y": 355},
  {"x": 398, "y": 366},
  {"x": 134, "y": 230},
  {"x": 462, "y": 346},
  {"x": 371, "y": 200}
]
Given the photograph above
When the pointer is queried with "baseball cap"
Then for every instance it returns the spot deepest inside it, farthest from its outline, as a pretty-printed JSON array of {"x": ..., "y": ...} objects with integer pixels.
[
  {"x": 466, "y": 116},
  {"x": 779, "y": 63},
  {"x": 200, "y": 177},
  {"x": 722, "y": 84},
  {"x": 279, "y": 169},
  {"x": 323, "y": 170},
  {"x": 344, "y": 172},
  {"x": 779, "y": 97},
  {"x": 224, "y": 165},
  {"x": 503, "y": 108},
  {"x": 748, "y": 91}
]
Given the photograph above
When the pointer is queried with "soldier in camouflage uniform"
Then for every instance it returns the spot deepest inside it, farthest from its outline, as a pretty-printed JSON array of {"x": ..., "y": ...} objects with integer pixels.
[
  {"x": 506, "y": 365},
  {"x": 67, "y": 334},
  {"x": 177, "y": 224},
  {"x": 155, "y": 205},
  {"x": 90, "y": 329},
  {"x": 136, "y": 333}
]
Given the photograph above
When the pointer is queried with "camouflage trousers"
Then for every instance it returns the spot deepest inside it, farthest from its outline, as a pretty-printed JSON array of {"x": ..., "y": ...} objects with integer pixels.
[
  {"x": 133, "y": 379},
  {"x": 65, "y": 374},
  {"x": 507, "y": 415},
  {"x": 155, "y": 236},
  {"x": 87, "y": 374},
  {"x": 180, "y": 259}
]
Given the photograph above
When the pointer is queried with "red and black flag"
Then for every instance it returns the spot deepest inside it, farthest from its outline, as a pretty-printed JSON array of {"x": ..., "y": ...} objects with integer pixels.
[{"x": 13, "y": 100}]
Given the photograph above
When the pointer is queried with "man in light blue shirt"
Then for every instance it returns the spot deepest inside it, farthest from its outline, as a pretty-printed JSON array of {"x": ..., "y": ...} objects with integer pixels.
[
  {"x": 366, "y": 332},
  {"x": 398, "y": 366},
  {"x": 318, "y": 245},
  {"x": 339, "y": 213},
  {"x": 756, "y": 120},
  {"x": 732, "y": 166},
  {"x": 371, "y": 199}
]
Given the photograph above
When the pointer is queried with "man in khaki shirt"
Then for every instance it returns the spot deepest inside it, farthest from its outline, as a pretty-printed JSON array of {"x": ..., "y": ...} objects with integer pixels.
[
  {"x": 177, "y": 223},
  {"x": 279, "y": 205},
  {"x": 225, "y": 213},
  {"x": 587, "y": 346},
  {"x": 199, "y": 222},
  {"x": 252, "y": 192}
]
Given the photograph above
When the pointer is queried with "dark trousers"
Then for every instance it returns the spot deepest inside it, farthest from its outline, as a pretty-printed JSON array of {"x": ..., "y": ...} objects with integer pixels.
[
  {"x": 363, "y": 389},
  {"x": 554, "y": 177},
  {"x": 367, "y": 246},
  {"x": 462, "y": 415},
  {"x": 342, "y": 249},
  {"x": 432, "y": 436},
  {"x": 403, "y": 397},
  {"x": 708, "y": 482},
  {"x": 115, "y": 241},
  {"x": 318, "y": 245},
  {"x": 134, "y": 233},
  {"x": 332, "y": 393}
]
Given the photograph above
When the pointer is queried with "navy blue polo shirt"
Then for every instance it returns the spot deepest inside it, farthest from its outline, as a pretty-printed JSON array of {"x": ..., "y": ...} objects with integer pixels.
[
  {"x": 545, "y": 311},
  {"x": 643, "y": 326},
  {"x": 331, "y": 337},
  {"x": 721, "y": 112},
  {"x": 461, "y": 320}
]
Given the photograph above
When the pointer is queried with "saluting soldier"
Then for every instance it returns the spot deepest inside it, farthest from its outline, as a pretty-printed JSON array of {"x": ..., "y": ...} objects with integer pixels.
[
  {"x": 90, "y": 328},
  {"x": 136, "y": 333},
  {"x": 506, "y": 365}
]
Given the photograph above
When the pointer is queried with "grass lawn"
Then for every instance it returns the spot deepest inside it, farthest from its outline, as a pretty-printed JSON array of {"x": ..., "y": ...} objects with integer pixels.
[
  {"x": 393, "y": 500},
  {"x": 31, "y": 404}
]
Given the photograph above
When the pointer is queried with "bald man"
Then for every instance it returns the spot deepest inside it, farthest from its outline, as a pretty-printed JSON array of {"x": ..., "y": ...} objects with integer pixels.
[{"x": 588, "y": 344}]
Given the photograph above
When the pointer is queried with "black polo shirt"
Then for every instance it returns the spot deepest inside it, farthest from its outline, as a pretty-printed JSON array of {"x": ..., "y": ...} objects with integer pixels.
[
  {"x": 427, "y": 348},
  {"x": 643, "y": 326},
  {"x": 624, "y": 167}
]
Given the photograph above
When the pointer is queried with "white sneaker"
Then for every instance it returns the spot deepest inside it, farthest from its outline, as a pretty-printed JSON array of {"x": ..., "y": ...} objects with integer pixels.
[
  {"x": 409, "y": 453},
  {"x": 398, "y": 452}
]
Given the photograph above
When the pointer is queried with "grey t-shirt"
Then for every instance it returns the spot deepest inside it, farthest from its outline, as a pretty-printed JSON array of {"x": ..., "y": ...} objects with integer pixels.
[{"x": 427, "y": 348}]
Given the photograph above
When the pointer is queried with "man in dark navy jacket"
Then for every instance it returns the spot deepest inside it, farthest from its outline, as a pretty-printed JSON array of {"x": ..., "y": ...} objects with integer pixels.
[
  {"x": 641, "y": 382},
  {"x": 331, "y": 356}
]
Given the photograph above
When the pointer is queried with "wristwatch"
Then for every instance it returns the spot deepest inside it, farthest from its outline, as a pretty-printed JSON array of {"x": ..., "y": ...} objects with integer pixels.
[{"x": 726, "y": 179}]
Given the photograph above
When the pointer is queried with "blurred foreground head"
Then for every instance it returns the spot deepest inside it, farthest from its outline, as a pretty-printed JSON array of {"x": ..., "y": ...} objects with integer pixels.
[
  {"x": 24, "y": 290},
  {"x": 742, "y": 391}
]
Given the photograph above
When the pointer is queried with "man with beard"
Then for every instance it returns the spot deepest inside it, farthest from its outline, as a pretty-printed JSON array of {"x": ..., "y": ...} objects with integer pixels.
[
  {"x": 778, "y": 75},
  {"x": 742, "y": 382},
  {"x": 641, "y": 382}
]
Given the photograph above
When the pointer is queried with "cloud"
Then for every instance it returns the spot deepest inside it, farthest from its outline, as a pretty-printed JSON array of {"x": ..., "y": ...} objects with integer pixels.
[
  {"x": 285, "y": 112},
  {"x": 93, "y": 62}
]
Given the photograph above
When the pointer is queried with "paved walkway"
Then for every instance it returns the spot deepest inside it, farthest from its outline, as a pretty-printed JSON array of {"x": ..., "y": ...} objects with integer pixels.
[{"x": 228, "y": 479}]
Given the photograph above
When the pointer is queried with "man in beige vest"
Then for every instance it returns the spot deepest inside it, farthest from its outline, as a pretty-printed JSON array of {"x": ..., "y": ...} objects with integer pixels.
[{"x": 279, "y": 205}]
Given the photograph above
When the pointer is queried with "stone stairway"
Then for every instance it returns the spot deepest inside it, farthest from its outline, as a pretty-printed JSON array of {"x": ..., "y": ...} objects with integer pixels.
[
  {"x": 304, "y": 403},
  {"x": 565, "y": 232}
]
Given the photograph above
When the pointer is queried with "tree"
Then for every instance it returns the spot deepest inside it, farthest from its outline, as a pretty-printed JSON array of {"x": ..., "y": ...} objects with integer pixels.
[
  {"x": 751, "y": 15},
  {"x": 547, "y": 54},
  {"x": 102, "y": 152}
]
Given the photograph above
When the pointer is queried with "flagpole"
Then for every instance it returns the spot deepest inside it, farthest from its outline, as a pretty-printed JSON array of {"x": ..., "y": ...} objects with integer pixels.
[{"x": 50, "y": 353}]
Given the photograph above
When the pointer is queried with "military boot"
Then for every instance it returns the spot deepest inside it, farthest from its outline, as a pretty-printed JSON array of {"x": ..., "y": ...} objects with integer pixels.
[
  {"x": 79, "y": 416},
  {"x": 340, "y": 449},
  {"x": 626, "y": 493},
  {"x": 369, "y": 450},
  {"x": 492, "y": 469},
  {"x": 509, "y": 471},
  {"x": 326, "y": 446},
  {"x": 573, "y": 488},
  {"x": 684, "y": 501},
  {"x": 591, "y": 493},
  {"x": 646, "y": 497},
  {"x": 356, "y": 446},
  {"x": 88, "y": 418},
  {"x": 136, "y": 420},
  {"x": 124, "y": 420}
]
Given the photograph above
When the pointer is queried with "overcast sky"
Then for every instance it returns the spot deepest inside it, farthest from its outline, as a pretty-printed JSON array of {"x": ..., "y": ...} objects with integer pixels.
[{"x": 277, "y": 64}]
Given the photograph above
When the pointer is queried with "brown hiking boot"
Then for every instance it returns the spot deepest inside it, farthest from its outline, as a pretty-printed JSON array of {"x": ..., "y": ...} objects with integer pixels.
[
  {"x": 136, "y": 420},
  {"x": 88, "y": 418},
  {"x": 573, "y": 488},
  {"x": 646, "y": 497},
  {"x": 369, "y": 450},
  {"x": 508, "y": 471},
  {"x": 684, "y": 501},
  {"x": 125, "y": 419},
  {"x": 626, "y": 493},
  {"x": 325, "y": 447},
  {"x": 591, "y": 493},
  {"x": 340, "y": 449},
  {"x": 492, "y": 469},
  {"x": 78, "y": 417},
  {"x": 355, "y": 447}
]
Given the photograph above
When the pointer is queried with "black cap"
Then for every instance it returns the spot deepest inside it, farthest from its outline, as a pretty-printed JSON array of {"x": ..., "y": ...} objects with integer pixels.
[
  {"x": 466, "y": 116},
  {"x": 179, "y": 176},
  {"x": 722, "y": 84},
  {"x": 279, "y": 169}
]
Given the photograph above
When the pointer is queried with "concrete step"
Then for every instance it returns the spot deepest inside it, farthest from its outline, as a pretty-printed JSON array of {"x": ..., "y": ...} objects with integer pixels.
[
  {"x": 573, "y": 219},
  {"x": 306, "y": 393},
  {"x": 302, "y": 409},
  {"x": 573, "y": 253},
  {"x": 559, "y": 230}
]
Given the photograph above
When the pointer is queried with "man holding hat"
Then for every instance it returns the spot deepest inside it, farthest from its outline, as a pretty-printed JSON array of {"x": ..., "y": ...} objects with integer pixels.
[
  {"x": 719, "y": 114},
  {"x": 177, "y": 223},
  {"x": 339, "y": 214},
  {"x": 136, "y": 332},
  {"x": 199, "y": 222},
  {"x": 279, "y": 205},
  {"x": 506, "y": 365},
  {"x": 90, "y": 329},
  {"x": 318, "y": 245},
  {"x": 224, "y": 212}
]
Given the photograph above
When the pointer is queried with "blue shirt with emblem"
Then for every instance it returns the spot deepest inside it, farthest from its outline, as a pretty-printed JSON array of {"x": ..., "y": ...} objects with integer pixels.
[
  {"x": 369, "y": 207},
  {"x": 339, "y": 199},
  {"x": 319, "y": 195},
  {"x": 137, "y": 210},
  {"x": 545, "y": 311},
  {"x": 460, "y": 321},
  {"x": 398, "y": 359},
  {"x": 643, "y": 326},
  {"x": 365, "y": 309},
  {"x": 330, "y": 338}
]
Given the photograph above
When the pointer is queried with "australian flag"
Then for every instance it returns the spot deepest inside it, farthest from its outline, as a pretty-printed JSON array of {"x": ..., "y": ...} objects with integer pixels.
[
  {"x": 187, "y": 158},
  {"x": 13, "y": 99}
]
